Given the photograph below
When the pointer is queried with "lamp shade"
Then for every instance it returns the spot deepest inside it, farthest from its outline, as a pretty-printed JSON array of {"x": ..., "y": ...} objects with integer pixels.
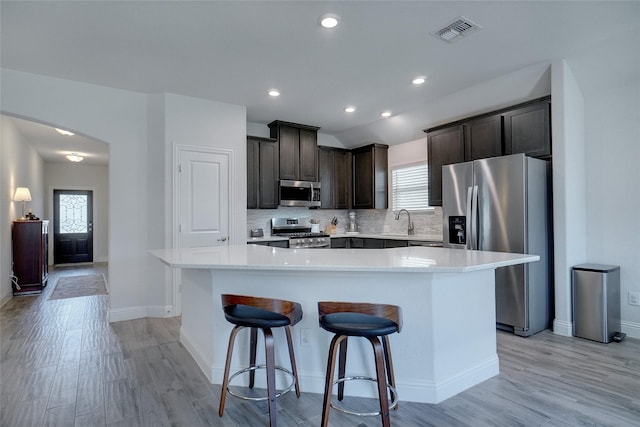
[{"x": 22, "y": 195}]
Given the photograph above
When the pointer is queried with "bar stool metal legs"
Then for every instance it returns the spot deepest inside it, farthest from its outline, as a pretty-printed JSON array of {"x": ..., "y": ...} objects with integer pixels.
[
  {"x": 264, "y": 314},
  {"x": 373, "y": 322}
]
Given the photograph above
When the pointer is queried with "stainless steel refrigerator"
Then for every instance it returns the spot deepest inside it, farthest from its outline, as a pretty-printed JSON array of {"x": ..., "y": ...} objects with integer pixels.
[{"x": 502, "y": 204}]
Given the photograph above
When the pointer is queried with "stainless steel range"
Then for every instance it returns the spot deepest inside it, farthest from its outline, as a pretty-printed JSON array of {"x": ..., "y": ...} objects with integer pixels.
[{"x": 299, "y": 233}]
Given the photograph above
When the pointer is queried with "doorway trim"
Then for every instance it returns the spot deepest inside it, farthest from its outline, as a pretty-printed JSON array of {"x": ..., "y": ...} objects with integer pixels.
[{"x": 175, "y": 214}]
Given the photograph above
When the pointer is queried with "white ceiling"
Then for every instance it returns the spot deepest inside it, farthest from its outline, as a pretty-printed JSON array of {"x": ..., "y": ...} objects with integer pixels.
[{"x": 234, "y": 52}]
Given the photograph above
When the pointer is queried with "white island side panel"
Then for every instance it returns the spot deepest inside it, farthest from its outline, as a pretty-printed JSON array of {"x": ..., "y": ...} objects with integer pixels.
[{"x": 447, "y": 343}]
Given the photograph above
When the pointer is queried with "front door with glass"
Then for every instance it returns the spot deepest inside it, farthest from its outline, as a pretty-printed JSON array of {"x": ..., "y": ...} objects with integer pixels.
[{"x": 72, "y": 226}]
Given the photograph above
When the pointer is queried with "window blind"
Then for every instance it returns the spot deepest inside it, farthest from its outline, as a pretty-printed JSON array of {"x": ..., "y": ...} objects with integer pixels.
[{"x": 410, "y": 187}]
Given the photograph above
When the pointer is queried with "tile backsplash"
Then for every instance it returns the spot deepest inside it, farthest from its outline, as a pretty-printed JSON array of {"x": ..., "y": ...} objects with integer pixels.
[{"x": 369, "y": 220}]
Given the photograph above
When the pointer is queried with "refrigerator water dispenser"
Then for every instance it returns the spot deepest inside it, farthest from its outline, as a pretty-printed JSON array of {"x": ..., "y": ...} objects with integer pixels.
[{"x": 458, "y": 230}]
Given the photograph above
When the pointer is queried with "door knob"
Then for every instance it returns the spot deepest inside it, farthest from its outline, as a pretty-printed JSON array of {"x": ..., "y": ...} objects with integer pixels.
[{"x": 224, "y": 239}]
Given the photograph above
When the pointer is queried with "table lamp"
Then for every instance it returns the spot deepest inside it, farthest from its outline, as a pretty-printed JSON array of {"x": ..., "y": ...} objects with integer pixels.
[{"x": 22, "y": 195}]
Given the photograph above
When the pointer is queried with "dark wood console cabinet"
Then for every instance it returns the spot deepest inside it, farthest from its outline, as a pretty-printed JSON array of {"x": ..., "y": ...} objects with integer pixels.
[{"x": 30, "y": 247}]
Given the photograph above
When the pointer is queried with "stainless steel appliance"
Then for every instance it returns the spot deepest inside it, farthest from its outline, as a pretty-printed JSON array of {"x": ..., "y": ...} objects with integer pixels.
[
  {"x": 353, "y": 225},
  {"x": 300, "y": 235},
  {"x": 502, "y": 204},
  {"x": 596, "y": 302},
  {"x": 299, "y": 193}
]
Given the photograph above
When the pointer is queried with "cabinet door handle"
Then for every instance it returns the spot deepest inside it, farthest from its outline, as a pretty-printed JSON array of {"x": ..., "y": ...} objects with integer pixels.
[{"x": 224, "y": 239}]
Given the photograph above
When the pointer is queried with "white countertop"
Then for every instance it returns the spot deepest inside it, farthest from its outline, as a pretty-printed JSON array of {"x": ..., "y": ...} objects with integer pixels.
[{"x": 410, "y": 259}]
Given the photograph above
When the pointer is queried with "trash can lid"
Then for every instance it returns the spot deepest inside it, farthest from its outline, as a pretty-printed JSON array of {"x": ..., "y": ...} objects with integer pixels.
[{"x": 596, "y": 267}]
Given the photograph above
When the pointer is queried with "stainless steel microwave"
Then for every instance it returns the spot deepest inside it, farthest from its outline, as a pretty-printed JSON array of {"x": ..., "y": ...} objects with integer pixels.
[{"x": 299, "y": 193}]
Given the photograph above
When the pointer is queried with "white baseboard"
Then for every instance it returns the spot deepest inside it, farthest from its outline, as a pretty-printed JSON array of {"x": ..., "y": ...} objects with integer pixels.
[
  {"x": 130, "y": 313},
  {"x": 562, "y": 327},
  {"x": 632, "y": 329},
  {"x": 5, "y": 300},
  {"x": 409, "y": 390},
  {"x": 205, "y": 365}
]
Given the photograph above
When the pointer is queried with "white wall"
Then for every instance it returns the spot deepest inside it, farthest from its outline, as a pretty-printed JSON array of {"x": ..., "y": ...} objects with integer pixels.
[
  {"x": 612, "y": 130},
  {"x": 569, "y": 217},
  {"x": 20, "y": 166},
  {"x": 137, "y": 128},
  {"x": 191, "y": 121},
  {"x": 118, "y": 118},
  {"x": 63, "y": 176}
]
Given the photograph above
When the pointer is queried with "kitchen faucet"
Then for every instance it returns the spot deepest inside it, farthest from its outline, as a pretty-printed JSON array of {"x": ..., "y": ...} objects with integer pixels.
[{"x": 409, "y": 224}]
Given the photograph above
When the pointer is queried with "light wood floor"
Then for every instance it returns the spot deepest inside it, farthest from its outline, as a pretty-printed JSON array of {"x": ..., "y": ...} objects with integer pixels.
[{"x": 63, "y": 364}]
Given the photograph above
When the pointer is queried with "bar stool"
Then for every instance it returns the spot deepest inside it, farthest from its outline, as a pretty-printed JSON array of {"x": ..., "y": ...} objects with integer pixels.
[
  {"x": 371, "y": 321},
  {"x": 265, "y": 314}
]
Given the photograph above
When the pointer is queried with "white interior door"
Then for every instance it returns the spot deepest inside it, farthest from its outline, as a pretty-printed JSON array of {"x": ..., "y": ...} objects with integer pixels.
[
  {"x": 204, "y": 199},
  {"x": 202, "y": 202}
]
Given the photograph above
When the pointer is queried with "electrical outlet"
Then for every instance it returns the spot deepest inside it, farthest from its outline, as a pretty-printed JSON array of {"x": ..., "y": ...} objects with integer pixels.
[
  {"x": 634, "y": 298},
  {"x": 305, "y": 337}
]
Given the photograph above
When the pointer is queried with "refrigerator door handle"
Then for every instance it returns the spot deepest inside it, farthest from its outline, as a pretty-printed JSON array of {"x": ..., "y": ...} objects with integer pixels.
[
  {"x": 474, "y": 218},
  {"x": 469, "y": 214}
]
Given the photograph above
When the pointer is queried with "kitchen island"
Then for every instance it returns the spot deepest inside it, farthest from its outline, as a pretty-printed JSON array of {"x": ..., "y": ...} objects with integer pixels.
[{"x": 448, "y": 341}]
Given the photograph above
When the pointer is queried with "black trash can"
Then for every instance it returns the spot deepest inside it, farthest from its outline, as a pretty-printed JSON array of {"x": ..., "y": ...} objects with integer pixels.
[{"x": 596, "y": 302}]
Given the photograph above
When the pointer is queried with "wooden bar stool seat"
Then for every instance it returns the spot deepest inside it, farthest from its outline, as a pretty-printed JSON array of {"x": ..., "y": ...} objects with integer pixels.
[
  {"x": 260, "y": 314},
  {"x": 375, "y": 322}
]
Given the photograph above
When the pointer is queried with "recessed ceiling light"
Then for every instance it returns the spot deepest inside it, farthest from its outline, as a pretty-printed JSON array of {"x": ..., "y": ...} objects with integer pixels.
[
  {"x": 74, "y": 157},
  {"x": 419, "y": 80},
  {"x": 274, "y": 92},
  {"x": 329, "y": 20},
  {"x": 64, "y": 132},
  {"x": 385, "y": 113},
  {"x": 349, "y": 109}
]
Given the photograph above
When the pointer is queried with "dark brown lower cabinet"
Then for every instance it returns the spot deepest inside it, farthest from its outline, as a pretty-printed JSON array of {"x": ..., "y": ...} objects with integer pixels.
[
  {"x": 30, "y": 247},
  {"x": 277, "y": 243}
]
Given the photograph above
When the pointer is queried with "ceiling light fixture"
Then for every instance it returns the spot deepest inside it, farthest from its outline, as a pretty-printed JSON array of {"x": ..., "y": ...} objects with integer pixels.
[
  {"x": 386, "y": 114},
  {"x": 64, "y": 132},
  {"x": 329, "y": 20},
  {"x": 274, "y": 92},
  {"x": 349, "y": 109},
  {"x": 419, "y": 80},
  {"x": 74, "y": 157}
]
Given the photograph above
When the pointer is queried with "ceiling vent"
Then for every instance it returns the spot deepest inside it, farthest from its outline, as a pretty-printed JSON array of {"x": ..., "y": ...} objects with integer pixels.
[{"x": 456, "y": 30}]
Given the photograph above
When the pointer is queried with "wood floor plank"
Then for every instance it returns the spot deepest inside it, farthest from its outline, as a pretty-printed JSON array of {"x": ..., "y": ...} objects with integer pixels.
[
  {"x": 58, "y": 416},
  {"x": 64, "y": 390},
  {"x": 90, "y": 397},
  {"x": 120, "y": 401},
  {"x": 62, "y": 363}
]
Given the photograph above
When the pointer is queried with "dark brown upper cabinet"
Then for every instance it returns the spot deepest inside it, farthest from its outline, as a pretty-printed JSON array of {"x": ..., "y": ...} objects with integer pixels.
[
  {"x": 444, "y": 147},
  {"x": 528, "y": 130},
  {"x": 334, "y": 168},
  {"x": 523, "y": 128},
  {"x": 370, "y": 173},
  {"x": 298, "y": 150},
  {"x": 483, "y": 138},
  {"x": 262, "y": 173}
]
